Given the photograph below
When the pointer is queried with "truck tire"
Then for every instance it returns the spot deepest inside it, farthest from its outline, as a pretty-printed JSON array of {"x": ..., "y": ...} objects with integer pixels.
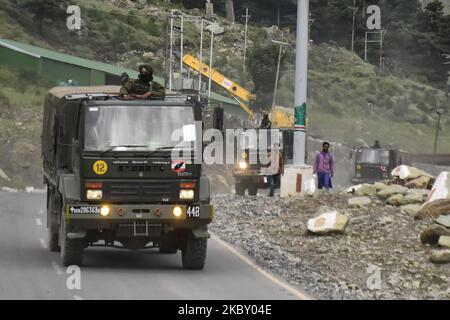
[
  {"x": 53, "y": 236},
  {"x": 52, "y": 222},
  {"x": 253, "y": 189},
  {"x": 71, "y": 249},
  {"x": 240, "y": 188},
  {"x": 194, "y": 253}
]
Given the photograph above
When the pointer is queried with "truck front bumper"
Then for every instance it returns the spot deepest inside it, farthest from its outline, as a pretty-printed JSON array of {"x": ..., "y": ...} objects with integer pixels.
[{"x": 89, "y": 216}]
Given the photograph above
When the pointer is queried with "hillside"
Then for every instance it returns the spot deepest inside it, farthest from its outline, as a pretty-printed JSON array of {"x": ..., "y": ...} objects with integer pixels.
[{"x": 350, "y": 101}]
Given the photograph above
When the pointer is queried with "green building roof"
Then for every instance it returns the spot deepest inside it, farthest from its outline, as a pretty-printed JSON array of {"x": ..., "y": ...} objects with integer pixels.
[{"x": 38, "y": 52}]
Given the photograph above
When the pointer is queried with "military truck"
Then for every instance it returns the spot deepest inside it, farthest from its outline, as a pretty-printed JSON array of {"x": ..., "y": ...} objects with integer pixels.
[
  {"x": 247, "y": 175},
  {"x": 112, "y": 179},
  {"x": 376, "y": 163}
]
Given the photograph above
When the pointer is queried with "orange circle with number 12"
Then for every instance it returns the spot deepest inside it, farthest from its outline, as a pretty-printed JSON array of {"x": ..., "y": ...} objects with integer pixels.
[{"x": 100, "y": 167}]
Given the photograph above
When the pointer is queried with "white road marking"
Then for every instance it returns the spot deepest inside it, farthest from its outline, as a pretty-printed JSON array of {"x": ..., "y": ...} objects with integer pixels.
[
  {"x": 57, "y": 268},
  {"x": 40, "y": 212},
  {"x": 76, "y": 297},
  {"x": 39, "y": 222},
  {"x": 282, "y": 284},
  {"x": 43, "y": 243}
]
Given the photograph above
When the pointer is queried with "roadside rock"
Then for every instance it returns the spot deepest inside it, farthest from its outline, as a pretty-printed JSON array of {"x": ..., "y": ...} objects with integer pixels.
[
  {"x": 379, "y": 185},
  {"x": 444, "y": 221},
  {"x": 422, "y": 182},
  {"x": 408, "y": 173},
  {"x": 434, "y": 209},
  {"x": 414, "y": 196},
  {"x": 411, "y": 209},
  {"x": 432, "y": 234},
  {"x": 444, "y": 241},
  {"x": 359, "y": 202},
  {"x": 397, "y": 200},
  {"x": 440, "y": 256},
  {"x": 391, "y": 190},
  {"x": 366, "y": 190},
  {"x": 326, "y": 223},
  {"x": 438, "y": 201}
]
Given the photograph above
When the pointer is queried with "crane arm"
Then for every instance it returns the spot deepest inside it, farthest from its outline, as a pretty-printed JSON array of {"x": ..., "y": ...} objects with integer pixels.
[{"x": 235, "y": 89}]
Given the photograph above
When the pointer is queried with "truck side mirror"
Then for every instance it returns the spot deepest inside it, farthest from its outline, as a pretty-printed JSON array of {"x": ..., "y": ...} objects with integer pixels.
[{"x": 218, "y": 118}]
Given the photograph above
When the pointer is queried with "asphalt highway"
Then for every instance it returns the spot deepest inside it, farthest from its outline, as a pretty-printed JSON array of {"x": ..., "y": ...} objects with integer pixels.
[{"x": 28, "y": 270}]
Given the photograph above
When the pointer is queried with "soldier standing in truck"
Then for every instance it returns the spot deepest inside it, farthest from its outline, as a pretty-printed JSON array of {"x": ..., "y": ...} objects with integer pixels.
[{"x": 144, "y": 87}]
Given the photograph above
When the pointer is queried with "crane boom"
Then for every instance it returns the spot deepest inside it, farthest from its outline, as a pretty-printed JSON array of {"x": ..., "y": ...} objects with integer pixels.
[{"x": 242, "y": 95}]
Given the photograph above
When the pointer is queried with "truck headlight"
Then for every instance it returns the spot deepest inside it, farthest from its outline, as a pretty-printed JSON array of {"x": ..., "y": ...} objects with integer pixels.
[
  {"x": 94, "y": 194},
  {"x": 187, "y": 194},
  {"x": 243, "y": 165},
  {"x": 104, "y": 211},
  {"x": 177, "y": 211}
]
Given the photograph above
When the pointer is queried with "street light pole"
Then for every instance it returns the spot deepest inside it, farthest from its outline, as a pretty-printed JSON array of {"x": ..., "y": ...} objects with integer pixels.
[
  {"x": 280, "y": 54},
  {"x": 210, "y": 64},
  {"x": 247, "y": 17},
  {"x": 301, "y": 81}
]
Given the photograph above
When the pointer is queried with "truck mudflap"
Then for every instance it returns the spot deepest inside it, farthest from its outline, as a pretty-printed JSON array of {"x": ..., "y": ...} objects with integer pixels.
[{"x": 181, "y": 216}]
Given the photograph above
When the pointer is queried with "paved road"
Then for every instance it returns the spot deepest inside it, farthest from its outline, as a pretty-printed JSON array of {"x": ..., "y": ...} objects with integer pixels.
[{"x": 29, "y": 271}]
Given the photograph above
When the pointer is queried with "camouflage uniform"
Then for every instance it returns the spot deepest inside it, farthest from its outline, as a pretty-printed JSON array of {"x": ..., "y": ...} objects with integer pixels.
[{"x": 141, "y": 86}]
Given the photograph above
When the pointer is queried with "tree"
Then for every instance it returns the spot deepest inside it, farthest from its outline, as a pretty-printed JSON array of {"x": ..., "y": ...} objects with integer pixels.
[
  {"x": 229, "y": 5},
  {"x": 262, "y": 65},
  {"x": 45, "y": 10}
]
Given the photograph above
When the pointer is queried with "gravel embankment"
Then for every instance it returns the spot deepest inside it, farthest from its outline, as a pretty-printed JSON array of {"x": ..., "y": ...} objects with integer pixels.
[{"x": 378, "y": 238}]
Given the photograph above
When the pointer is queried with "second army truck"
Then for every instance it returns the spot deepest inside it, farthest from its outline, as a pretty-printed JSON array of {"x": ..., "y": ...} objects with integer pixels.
[
  {"x": 376, "y": 163},
  {"x": 248, "y": 176},
  {"x": 111, "y": 179}
]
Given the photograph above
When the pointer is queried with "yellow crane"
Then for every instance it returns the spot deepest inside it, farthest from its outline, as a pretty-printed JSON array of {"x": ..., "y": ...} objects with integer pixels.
[
  {"x": 242, "y": 95},
  {"x": 281, "y": 117}
]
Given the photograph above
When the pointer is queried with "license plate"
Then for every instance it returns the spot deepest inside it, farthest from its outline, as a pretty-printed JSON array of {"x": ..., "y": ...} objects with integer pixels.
[
  {"x": 84, "y": 210},
  {"x": 265, "y": 179},
  {"x": 193, "y": 211}
]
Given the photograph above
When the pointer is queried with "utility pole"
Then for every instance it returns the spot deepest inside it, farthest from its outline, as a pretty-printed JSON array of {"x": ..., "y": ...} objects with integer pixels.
[
  {"x": 181, "y": 44},
  {"x": 280, "y": 54},
  {"x": 210, "y": 64},
  {"x": 201, "y": 58},
  {"x": 440, "y": 112},
  {"x": 247, "y": 18},
  {"x": 301, "y": 81},
  {"x": 171, "y": 53},
  {"x": 355, "y": 10}
]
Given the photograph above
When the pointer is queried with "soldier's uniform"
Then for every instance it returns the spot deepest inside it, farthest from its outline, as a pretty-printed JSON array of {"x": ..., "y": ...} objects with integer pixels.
[{"x": 141, "y": 86}]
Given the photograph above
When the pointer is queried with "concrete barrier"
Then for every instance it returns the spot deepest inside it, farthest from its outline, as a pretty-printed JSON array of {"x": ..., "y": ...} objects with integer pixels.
[{"x": 295, "y": 181}]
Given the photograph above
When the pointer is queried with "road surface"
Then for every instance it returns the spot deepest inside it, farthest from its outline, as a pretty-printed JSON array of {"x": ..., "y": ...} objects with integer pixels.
[{"x": 28, "y": 270}]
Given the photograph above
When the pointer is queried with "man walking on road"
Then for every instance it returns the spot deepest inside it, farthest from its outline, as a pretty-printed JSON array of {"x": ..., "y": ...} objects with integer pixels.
[{"x": 324, "y": 167}]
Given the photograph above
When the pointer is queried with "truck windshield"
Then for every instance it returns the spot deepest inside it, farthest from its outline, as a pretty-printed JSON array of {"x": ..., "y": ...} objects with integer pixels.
[
  {"x": 373, "y": 156},
  {"x": 138, "y": 128}
]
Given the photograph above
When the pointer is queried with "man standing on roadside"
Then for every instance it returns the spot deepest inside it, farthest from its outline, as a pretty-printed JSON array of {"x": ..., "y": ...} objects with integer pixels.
[{"x": 324, "y": 167}]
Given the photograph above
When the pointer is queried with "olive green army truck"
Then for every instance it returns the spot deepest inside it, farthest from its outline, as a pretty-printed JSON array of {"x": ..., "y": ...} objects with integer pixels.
[{"x": 112, "y": 179}]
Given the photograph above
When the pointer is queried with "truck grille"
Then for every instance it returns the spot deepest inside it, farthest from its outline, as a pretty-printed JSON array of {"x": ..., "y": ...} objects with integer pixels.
[
  {"x": 372, "y": 173},
  {"x": 140, "y": 191}
]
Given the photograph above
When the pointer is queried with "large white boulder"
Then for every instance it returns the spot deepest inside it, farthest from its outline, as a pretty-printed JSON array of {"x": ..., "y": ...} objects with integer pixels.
[
  {"x": 404, "y": 172},
  {"x": 329, "y": 222},
  {"x": 438, "y": 201}
]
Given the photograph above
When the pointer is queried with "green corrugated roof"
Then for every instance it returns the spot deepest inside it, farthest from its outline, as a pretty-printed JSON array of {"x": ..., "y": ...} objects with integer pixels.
[{"x": 90, "y": 64}]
